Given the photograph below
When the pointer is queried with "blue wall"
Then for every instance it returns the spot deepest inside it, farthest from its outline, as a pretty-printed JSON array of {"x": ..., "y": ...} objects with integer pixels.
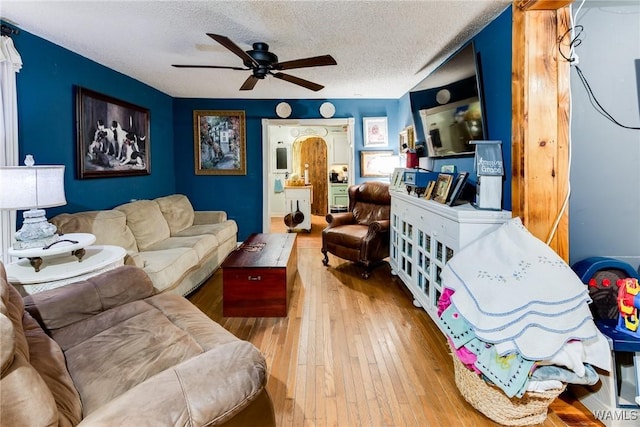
[
  {"x": 241, "y": 196},
  {"x": 46, "y": 121}
]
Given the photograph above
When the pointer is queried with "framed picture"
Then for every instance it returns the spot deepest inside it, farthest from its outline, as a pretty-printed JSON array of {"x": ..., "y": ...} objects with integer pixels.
[
  {"x": 377, "y": 163},
  {"x": 406, "y": 139},
  {"x": 428, "y": 194},
  {"x": 375, "y": 131},
  {"x": 397, "y": 179},
  {"x": 456, "y": 187},
  {"x": 219, "y": 142},
  {"x": 112, "y": 136},
  {"x": 441, "y": 190}
]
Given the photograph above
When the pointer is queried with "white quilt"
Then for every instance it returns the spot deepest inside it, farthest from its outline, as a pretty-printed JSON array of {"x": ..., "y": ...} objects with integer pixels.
[{"x": 513, "y": 289}]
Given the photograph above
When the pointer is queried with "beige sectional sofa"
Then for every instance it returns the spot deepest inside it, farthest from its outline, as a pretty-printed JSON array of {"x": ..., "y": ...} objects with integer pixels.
[
  {"x": 106, "y": 351},
  {"x": 178, "y": 248}
]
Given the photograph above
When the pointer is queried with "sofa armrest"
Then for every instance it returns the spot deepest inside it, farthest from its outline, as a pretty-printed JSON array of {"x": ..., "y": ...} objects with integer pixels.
[
  {"x": 338, "y": 219},
  {"x": 208, "y": 389},
  {"x": 60, "y": 307},
  {"x": 209, "y": 217}
]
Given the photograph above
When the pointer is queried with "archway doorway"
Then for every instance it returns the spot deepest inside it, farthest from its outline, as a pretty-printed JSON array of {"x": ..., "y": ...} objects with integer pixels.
[{"x": 310, "y": 154}]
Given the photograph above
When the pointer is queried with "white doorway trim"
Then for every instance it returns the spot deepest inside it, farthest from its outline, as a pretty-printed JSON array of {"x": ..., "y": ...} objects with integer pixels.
[{"x": 266, "y": 189}]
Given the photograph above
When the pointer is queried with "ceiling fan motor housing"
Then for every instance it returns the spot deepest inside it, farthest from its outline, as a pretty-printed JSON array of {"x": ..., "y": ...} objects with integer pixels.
[{"x": 263, "y": 57}]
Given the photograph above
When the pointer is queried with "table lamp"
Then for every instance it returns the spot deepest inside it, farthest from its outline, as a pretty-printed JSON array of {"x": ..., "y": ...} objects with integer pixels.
[{"x": 33, "y": 188}]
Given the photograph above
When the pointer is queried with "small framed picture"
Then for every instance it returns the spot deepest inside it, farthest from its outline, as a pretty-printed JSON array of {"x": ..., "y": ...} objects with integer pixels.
[
  {"x": 457, "y": 187},
  {"x": 397, "y": 179},
  {"x": 375, "y": 132},
  {"x": 443, "y": 184},
  {"x": 428, "y": 194}
]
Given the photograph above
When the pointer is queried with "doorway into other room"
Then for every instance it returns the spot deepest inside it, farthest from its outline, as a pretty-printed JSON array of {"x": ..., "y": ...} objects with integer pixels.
[{"x": 288, "y": 145}]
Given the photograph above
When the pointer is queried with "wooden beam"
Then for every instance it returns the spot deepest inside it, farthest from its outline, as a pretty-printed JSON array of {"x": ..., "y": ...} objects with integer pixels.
[
  {"x": 540, "y": 125},
  {"x": 525, "y": 5}
]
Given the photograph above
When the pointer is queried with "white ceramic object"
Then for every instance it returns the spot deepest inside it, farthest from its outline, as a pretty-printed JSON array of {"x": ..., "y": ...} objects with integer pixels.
[
  {"x": 283, "y": 110},
  {"x": 327, "y": 110}
]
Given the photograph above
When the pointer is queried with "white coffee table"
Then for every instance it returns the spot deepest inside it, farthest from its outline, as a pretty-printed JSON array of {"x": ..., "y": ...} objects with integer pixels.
[
  {"x": 70, "y": 243},
  {"x": 63, "y": 269}
]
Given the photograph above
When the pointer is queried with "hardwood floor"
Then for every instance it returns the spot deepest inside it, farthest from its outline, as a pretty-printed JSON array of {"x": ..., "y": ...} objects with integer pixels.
[{"x": 357, "y": 353}]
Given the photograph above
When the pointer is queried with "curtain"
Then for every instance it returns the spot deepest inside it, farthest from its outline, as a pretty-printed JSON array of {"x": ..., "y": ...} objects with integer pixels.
[{"x": 10, "y": 64}]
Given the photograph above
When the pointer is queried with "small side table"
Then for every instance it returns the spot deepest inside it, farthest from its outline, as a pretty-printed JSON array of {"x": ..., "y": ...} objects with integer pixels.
[
  {"x": 64, "y": 269},
  {"x": 73, "y": 243}
]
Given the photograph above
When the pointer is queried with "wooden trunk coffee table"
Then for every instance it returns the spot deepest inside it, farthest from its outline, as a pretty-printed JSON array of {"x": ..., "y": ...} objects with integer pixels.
[{"x": 258, "y": 276}]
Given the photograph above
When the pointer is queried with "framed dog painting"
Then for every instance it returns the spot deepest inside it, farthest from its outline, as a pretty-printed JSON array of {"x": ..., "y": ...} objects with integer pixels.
[
  {"x": 219, "y": 142},
  {"x": 112, "y": 136}
]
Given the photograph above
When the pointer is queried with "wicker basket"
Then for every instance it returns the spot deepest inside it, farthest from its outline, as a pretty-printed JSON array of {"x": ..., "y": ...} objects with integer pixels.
[{"x": 492, "y": 402}]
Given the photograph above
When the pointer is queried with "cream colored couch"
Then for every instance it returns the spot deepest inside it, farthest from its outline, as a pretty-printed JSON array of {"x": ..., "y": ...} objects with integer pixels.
[{"x": 178, "y": 248}]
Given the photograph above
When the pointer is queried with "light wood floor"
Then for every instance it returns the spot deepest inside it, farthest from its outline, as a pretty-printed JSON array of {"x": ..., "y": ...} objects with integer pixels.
[{"x": 357, "y": 353}]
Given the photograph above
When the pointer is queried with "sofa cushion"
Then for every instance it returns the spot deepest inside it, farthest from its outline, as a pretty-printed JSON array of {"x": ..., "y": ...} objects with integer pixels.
[
  {"x": 166, "y": 267},
  {"x": 177, "y": 211},
  {"x": 223, "y": 231},
  {"x": 109, "y": 227},
  {"x": 130, "y": 353},
  {"x": 146, "y": 222},
  {"x": 203, "y": 244}
]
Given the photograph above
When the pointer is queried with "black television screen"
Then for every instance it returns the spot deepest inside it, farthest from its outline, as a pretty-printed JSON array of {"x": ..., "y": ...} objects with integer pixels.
[{"x": 449, "y": 106}]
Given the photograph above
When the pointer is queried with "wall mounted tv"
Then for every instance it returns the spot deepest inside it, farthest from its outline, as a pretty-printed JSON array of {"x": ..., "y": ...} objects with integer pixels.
[{"x": 448, "y": 106}]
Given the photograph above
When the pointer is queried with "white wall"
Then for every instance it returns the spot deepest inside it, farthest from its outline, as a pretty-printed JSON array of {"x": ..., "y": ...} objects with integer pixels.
[{"x": 605, "y": 174}]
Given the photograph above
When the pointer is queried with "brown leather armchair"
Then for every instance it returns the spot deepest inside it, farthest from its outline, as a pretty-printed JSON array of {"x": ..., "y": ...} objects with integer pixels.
[{"x": 361, "y": 234}]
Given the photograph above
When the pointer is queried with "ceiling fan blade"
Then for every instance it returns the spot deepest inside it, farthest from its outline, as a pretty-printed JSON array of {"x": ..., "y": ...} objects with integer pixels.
[
  {"x": 298, "y": 81},
  {"x": 209, "y": 66},
  {"x": 315, "y": 61},
  {"x": 226, "y": 42},
  {"x": 249, "y": 83}
]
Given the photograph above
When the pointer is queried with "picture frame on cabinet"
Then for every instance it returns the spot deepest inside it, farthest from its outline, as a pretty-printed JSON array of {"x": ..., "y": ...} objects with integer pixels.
[
  {"x": 397, "y": 179},
  {"x": 112, "y": 136},
  {"x": 219, "y": 142},
  {"x": 443, "y": 185},
  {"x": 456, "y": 188},
  {"x": 375, "y": 131},
  {"x": 428, "y": 194}
]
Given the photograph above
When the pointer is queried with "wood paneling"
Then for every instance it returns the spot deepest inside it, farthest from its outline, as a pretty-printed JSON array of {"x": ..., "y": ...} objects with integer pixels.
[
  {"x": 541, "y": 4},
  {"x": 540, "y": 91}
]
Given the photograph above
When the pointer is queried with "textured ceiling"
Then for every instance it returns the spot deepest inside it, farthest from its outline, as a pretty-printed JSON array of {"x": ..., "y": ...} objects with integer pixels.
[{"x": 383, "y": 48}]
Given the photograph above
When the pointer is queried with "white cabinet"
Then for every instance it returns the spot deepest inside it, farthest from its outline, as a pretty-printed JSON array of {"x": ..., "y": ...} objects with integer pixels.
[
  {"x": 425, "y": 235},
  {"x": 339, "y": 150},
  {"x": 298, "y": 198}
]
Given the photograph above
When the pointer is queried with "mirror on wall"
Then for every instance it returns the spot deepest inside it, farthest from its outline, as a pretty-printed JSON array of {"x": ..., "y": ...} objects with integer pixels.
[{"x": 447, "y": 106}]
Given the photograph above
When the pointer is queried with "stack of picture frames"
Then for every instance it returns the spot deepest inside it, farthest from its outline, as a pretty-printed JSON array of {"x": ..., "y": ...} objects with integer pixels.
[{"x": 447, "y": 189}]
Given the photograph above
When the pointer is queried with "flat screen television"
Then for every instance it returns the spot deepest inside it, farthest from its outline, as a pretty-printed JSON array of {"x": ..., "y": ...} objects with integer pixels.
[{"x": 449, "y": 105}]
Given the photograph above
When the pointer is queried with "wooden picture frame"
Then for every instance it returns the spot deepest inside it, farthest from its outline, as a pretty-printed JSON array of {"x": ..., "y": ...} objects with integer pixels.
[
  {"x": 112, "y": 136},
  {"x": 372, "y": 163},
  {"x": 443, "y": 185},
  {"x": 219, "y": 142},
  {"x": 375, "y": 133},
  {"x": 428, "y": 194}
]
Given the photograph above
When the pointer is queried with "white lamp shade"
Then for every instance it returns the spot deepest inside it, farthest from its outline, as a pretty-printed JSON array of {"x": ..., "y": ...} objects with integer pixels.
[{"x": 28, "y": 187}]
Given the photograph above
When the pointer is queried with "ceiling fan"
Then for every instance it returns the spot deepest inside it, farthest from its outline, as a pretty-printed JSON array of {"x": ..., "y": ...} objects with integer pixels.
[{"x": 262, "y": 62}]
